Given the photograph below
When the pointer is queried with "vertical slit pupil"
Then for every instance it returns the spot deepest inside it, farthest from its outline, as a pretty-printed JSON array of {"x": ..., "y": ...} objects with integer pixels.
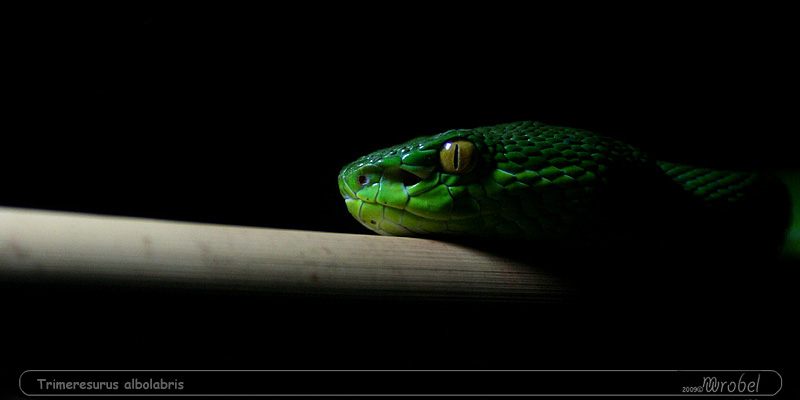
[{"x": 455, "y": 157}]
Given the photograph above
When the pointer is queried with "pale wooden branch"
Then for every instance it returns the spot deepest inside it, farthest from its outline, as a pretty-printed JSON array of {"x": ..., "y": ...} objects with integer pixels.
[{"x": 55, "y": 246}]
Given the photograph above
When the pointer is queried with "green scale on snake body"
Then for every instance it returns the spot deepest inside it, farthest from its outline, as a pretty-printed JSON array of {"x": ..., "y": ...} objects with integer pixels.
[{"x": 524, "y": 180}]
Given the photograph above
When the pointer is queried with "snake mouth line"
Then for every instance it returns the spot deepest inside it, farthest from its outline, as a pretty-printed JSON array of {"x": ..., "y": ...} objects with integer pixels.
[
  {"x": 397, "y": 226},
  {"x": 394, "y": 221}
]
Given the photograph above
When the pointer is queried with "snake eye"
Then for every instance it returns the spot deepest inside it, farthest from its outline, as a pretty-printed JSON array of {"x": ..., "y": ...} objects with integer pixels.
[{"x": 458, "y": 157}]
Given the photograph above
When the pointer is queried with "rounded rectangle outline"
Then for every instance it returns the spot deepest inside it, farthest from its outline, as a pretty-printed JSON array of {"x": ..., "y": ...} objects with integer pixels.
[{"x": 19, "y": 380}]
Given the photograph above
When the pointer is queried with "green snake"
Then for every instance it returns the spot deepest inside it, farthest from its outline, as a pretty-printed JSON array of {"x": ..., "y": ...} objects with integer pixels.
[{"x": 529, "y": 180}]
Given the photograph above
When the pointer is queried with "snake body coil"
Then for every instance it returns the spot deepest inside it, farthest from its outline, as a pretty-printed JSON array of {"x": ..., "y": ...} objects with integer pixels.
[{"x": 528, "y": 180}]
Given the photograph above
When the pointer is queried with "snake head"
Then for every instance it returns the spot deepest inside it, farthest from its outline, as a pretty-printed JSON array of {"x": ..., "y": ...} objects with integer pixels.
[
  {"x": 510, "y": 181},
  {"x": 418, "y": 187}
]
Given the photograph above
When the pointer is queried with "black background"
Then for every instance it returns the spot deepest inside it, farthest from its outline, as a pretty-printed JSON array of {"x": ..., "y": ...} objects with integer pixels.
[{"x": 246, "y": 116}]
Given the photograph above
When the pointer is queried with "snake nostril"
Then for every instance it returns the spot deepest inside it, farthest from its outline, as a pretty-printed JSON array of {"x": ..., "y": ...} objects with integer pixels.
[{"x": 362, "y": 180}]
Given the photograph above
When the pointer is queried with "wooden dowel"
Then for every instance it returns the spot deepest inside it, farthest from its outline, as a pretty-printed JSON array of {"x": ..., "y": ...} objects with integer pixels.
[{"x": 56, "y": 246}]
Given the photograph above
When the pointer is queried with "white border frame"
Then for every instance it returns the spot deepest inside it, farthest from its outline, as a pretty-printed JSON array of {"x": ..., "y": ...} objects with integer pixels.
[{"x": 780, "y": 377}]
